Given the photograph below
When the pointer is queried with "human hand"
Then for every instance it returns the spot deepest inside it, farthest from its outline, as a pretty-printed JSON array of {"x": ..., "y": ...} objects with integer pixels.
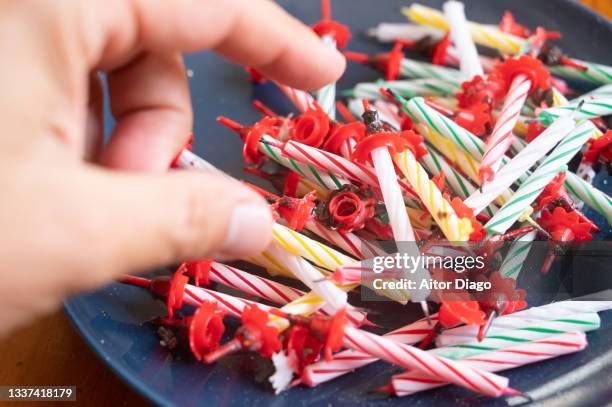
[{"x": 75, "y": 213}]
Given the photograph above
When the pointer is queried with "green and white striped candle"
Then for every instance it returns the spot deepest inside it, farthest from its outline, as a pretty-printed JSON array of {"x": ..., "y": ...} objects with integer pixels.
[
  {"x": 531, "y": 188},
  {"x": 409, "y": 68},
  {"x": 515, "y": 258},
  {"x": 558, "y": 311},
  {"x": 420, "y": 112},
  {"x": 587, "y": 193},
  {"x": 583, "y": 191},
  {"x": 459, "y": 346},
  {"x": 326, "y": 96},
  {"x": 602, "y": 91},
  {"x": 406, "y": 88},
  {"x": 596, "y": 73},
  {"x": 517, "y": 145},
  {"x": 592, "y": 107}
]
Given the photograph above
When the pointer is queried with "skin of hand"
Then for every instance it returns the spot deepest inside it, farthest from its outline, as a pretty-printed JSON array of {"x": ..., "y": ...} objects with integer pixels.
[{"x": 74, "y": 213}]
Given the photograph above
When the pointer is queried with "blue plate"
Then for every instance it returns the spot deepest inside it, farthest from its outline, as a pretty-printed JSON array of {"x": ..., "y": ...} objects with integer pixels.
[{"x": 113, "y": 320}]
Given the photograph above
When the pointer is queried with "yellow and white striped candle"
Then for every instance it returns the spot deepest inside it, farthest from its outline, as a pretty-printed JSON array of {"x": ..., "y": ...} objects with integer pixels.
[
  {"x": 489, "y": 36},
  {"x": 454, "y": 228}
]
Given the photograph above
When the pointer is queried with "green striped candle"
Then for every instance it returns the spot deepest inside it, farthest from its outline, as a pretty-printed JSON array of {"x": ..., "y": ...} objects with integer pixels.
[
  {"x": 587, "y": 193},
  {"x": 420, "y": 112},
  {"x": 409, "y": 68},
  {"x": 603, "y": 91},
  {"x": 558, "y": 310},
  {"x": 535, "y": 183},
  {"x": 326, "y": 96},
  {"x": 405, "y": 88},
  {"x": 592, "y": 107},
  {"x": 459, "y": 347},
  {"x": 596, "y": 73},
  {"x": 515, "y": 258}
]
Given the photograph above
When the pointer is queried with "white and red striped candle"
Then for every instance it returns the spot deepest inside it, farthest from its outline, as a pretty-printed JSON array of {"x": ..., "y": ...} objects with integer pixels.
[
  {"x": 348, "y": 360},
  {"x": 436, "y": 367},
  {"x": 411, "y": 382},
  {"x": 501, "y": 137}
]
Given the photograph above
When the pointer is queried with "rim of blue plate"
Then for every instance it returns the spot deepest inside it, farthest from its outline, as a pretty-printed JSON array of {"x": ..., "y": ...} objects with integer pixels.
[{"x": 143, "y": 389}]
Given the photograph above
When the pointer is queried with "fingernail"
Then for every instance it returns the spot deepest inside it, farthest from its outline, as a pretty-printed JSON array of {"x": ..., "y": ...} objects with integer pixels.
[{"x": 249, "y": 231}]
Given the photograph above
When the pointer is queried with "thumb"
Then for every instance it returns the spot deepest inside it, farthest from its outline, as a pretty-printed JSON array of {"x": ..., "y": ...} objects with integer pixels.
[{"x": 154, "y": 220}]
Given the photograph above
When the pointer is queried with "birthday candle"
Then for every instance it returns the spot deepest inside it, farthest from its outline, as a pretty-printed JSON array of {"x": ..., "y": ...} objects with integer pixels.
[
  {"x": 326, "y": 96},
  {"x": 409, "y": 68},
  {"x": 411, "y": 382},
  {"x": 406, "y": 88},
  {"x": 531, "y": 188},
  {"x": 523, "y": 330},
  {"x": 520, "y": 164},
  {"x": 391, "y": 32},
  {"x": 420, "y": 112},
  {"x": 464, "y": 162},
  {"x": 348, "y": 360},
  {"x": 349, "y": 242},
  {"x": 388, "y": 181},
  {"x": 462, "y": 187},
  {"x": 587, "y": 193},
  {"x": 454, "y": 228},
  {"x": 311, "y": 277},
  {"x": 579, "y": 188},
  {"x": 320, "y": 254},
  {"x": 564, "y": 316},
  {"x": 591, "y": 107},
  {"x": 489, "y": 36},
  {"x": 601, "y": 91},
  {"x": 339, "y": 165},
  {"x": 392, "y": 195},
  {"x": 269, "y": 290},
  {"x": 516, "y": 256},
  {"x": 252, "y": 284},
  {"x": 270, "y": 147},
  {"x": 501, "y": 136},
  {"x": 301, "y": 100},
  {"x": 596, "y": 73},
  {"x": 437, "y": 367},
  {"x": 468, "y": 56}
]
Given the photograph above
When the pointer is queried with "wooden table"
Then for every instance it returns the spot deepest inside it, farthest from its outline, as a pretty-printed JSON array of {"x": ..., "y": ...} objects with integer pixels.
[
  {"x": 50, "y": 352},
  {"x": 601, "y": 6}
]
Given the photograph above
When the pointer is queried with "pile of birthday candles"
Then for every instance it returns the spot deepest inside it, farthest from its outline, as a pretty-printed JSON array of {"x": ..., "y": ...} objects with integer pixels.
[{"x": 430, "y": 153}]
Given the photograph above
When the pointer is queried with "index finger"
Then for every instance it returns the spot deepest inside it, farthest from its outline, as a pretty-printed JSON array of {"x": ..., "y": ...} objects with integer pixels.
[{"x": 257, "y": 33}]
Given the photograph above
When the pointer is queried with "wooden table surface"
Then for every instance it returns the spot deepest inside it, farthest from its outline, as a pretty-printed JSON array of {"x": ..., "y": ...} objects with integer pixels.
[{"x": 50, "y": 352}]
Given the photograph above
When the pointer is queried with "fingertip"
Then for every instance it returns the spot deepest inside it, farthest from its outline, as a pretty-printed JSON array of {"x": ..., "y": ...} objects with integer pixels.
[
  {"x": 317, "y": 66},
  {"x": 249, "y": 230},
  {"x": 280, "y": 46}
]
